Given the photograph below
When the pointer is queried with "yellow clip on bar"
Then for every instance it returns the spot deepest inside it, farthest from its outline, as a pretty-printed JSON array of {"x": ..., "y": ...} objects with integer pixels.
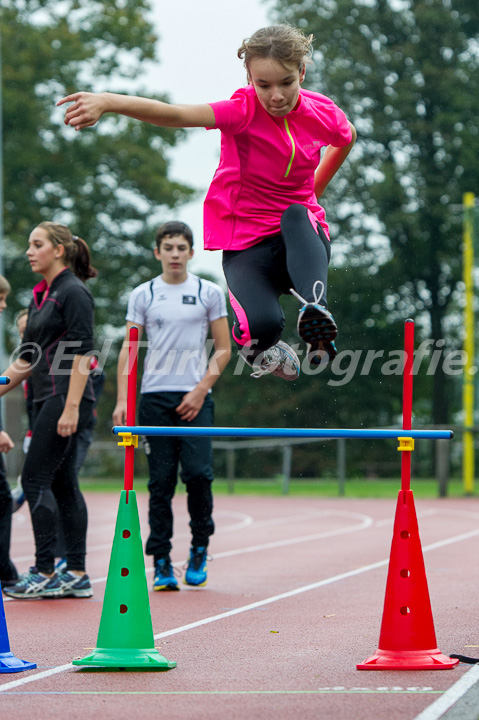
[
  {"x": 406, "y": 444},
  {"x": 127, "y": 439}
]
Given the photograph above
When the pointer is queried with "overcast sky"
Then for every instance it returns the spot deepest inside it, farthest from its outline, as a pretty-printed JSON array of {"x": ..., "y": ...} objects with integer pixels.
[{"x": 198, "y": 64}]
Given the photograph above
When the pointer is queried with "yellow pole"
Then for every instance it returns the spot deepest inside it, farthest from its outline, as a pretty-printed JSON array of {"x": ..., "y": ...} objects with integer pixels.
[{"x": 469, "y": 368}]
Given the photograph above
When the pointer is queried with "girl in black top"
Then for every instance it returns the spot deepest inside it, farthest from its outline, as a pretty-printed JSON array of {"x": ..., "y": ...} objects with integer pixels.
[{"x": 55, "y": 353}]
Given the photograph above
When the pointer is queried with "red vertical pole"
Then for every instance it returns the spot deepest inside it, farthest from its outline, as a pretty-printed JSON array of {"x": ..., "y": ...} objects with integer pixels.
[
  {"x": 407, "y": 400},
  {"x": 131, "y": 405}
]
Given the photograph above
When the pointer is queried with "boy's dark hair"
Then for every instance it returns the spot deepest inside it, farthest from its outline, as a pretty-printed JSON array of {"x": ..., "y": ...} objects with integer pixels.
[{"x": 170, "y": 229}]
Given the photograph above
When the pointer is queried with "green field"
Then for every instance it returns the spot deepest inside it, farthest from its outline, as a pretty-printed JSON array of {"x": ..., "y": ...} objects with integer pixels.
[{"x": 354, "y": 488}]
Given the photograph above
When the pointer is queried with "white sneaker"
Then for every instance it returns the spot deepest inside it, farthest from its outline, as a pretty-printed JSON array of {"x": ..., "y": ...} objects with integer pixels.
[{"x": 280, "y": 360}]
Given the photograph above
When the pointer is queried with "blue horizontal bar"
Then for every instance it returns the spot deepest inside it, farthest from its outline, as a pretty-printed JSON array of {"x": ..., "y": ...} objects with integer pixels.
[
  {"x": 4, "y": 380},
  {"x": 281, "y": 432}
]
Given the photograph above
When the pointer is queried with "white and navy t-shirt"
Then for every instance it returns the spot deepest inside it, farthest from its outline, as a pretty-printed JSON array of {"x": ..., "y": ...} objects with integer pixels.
[{"x": 176, "y": 319}]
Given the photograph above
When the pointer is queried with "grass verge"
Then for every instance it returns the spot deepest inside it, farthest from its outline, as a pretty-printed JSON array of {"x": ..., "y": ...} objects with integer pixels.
[{"x": 353, "y": 488}]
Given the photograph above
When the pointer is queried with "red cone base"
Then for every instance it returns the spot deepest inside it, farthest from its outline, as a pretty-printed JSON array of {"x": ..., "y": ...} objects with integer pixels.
[
  {"x": 408, "y": 660},
  {"x": 407, "y": 640}
]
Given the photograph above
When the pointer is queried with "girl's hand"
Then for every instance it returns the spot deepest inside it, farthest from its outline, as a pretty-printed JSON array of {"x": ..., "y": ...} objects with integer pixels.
[
  {"x": 86, "y": 110},
  {"x": 68, "y": 423}
]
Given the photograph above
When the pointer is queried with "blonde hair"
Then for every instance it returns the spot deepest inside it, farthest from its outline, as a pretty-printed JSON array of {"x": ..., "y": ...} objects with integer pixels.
[
  {"x": 284, "y": 43},
  {"x": 77, "y": 253},
  {"x": 4, "y": 286}
]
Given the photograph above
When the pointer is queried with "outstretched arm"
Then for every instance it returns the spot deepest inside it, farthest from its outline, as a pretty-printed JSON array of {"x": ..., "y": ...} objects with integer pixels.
[
  {"x": 330, "y": 163},
  {"x": 87, "y": 108}
]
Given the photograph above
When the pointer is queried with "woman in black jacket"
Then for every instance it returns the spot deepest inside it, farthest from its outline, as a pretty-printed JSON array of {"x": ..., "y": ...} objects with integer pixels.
[{"x": 55, "y": 353}]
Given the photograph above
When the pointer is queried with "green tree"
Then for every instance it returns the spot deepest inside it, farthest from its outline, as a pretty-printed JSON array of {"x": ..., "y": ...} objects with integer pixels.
[
  {"x": 109, "y": 185},
  {"x": 407, "y": 75}
]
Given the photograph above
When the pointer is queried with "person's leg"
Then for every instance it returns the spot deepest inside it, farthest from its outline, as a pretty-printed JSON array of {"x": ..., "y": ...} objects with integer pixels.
[
  {"x": 72, "y": 510},
  {"x": 8, "y": 572},
  {"x": 162, "y": 454},
  {"x": 307, "y": 257},
  {"x": 48, "y": 457},
  {"x": 256, "y": 277},
  {"x": 307, "y": 252},
  {"x": 196, "y": 458}
]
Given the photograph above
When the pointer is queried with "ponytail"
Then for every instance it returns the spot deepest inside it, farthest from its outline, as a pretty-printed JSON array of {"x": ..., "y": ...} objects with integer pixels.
[{"x": 80, "y": 262}]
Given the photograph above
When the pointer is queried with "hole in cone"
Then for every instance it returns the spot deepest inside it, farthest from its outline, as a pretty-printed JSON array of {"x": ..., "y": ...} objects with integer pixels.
[
  {"x": 123, "y": 609},
  {"x": 405, "y": 573},
  {"x": 124, "y": 572},
  {"x": 126, "y": 533},
  {"x": 404, "y": 610},
  {"x": 405, "y": 534}
]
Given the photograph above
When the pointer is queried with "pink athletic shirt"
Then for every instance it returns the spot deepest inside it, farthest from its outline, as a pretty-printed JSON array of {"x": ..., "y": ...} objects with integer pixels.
[{"x": 266, "y": 165}]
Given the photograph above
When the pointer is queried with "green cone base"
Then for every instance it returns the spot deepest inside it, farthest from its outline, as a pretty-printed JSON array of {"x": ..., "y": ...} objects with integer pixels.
[{"x": 126, "y": 658}]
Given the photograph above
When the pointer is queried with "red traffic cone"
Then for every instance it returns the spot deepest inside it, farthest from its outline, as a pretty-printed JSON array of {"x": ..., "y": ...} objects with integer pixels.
[
  {"x": 407, "y": 640},
  {"x": 8, "y": 662}
]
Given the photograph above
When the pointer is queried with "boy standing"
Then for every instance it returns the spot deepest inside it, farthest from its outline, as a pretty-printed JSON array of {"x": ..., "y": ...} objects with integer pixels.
[
  {"x": 177, "y": 309},
  {"x": 8, "y": 572}
]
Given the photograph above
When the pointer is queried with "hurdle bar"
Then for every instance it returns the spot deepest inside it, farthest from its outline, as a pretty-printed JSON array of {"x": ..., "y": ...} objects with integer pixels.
[{"x": 357, "y": 434}]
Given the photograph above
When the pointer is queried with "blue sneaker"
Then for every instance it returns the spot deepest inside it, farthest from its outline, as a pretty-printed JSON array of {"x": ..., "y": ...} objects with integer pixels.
[
  {"x": 316, "y": 326},
  {"x": 196, "y": 567},
  {"x": 77, "y": 586},
  {"x": 34, "y": 584},
  {"x": 164, "y": 576}
]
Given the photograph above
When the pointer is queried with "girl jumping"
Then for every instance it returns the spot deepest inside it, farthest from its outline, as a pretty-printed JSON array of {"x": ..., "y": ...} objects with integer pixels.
[{"x": 262, "y": 206}]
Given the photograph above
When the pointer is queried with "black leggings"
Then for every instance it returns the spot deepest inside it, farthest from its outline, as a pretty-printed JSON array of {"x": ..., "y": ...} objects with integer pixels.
[
  {"x": 7, "y": 569},
  {"x": 257, "y": 276},
  {"x": 50, "y": 483}
]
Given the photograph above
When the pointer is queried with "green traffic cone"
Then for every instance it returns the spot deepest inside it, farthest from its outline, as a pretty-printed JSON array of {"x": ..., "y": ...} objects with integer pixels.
[{"x": 125, "y": 637}]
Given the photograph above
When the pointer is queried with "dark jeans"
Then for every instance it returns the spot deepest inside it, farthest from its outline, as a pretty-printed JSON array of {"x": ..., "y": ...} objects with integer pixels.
[
  {"x": 165, "y": 455},
  {"x": 258, "y": 275},
  {"x": 50, "y": 483},
  {"x": 7, "y": 569}
]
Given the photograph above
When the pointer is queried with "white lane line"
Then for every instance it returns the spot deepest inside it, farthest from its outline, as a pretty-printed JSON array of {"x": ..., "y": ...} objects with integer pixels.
[
  {"x": 37, "y": 676},
  {"x": 246, "y": 608},
  {"x": 364, "y": 523},
  {"x": 451, "y": 696}
]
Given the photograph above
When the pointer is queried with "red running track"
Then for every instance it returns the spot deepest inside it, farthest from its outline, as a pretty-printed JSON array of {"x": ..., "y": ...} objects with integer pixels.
[{"x": 294, "y": 601}]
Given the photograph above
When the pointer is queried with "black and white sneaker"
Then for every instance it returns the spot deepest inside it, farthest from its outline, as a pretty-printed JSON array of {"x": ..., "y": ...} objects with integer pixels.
[
  {"x": 34, "y": 584},
  {"x": 316, "y": 326},
  {"x": 76, "y": 586}
]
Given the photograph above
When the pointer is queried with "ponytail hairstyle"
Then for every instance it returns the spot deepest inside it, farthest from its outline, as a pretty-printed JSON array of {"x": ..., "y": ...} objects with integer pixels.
[
  {"x": 284, "y": 43},
  {"x": 77, "y": 253}
]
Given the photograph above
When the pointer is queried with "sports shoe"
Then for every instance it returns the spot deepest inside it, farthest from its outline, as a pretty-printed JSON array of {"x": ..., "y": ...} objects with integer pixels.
[
  {"x": 280, "y": 360},
  {"x": 196, "y": 567},
  {"x": 34, "y": 584},
  {"x": 77, "y": 586},
  {"x": 316, "y": 326},
  {"x": 164, "y": 576},
  {"x": 18, "y": 496}
]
